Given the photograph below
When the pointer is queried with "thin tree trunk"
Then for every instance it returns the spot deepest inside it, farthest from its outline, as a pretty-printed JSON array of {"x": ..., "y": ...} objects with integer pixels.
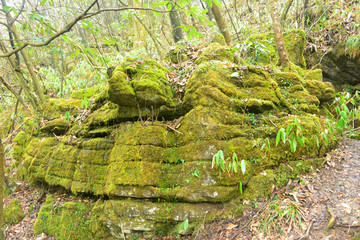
[
  {"x": 28, "y": 63},
  {"x": 249, "y": 7},
  {"x": 231, "y": 20},
  {"x": 221, "y": 23},
  {"x": 285, "y": 11},
  {"x": 306, "y": 13},
  {"x": 283, "y": 56},
  {"x": 2, "y": 162},
  {"x": 175, "y": 23}
]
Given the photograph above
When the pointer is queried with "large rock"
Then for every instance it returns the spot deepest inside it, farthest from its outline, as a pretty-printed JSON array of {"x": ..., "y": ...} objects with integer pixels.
[
  {"x": 337, "y": 66},
  {"x": 158, "y": 174}
]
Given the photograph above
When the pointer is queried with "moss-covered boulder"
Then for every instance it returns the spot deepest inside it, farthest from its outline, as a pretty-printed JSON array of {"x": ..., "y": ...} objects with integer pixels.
[
  {"x": 157, "y": 174},
  {"x": 215, "y": 51},
  {"x": 294, "y": 42},
  {"x": 142, "y": 84},
  {"x": 86, "y": 93},
  {"x": 57, "y": 108},
  {"x": 13, "y": 213},
  {"x": 69, "y": 220},
  {"x": 324, "y": 91},
  {"x": 177, "y": 54},
  {"x": 57, "y": 127}
]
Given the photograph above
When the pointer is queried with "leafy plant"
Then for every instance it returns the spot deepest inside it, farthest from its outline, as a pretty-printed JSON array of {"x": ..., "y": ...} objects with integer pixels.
[
  {"x": 225, "y": 165},
  {"x": 85, "y": 103},
  {"x": 184, "y": 226},
  {"x": 228, "y": 165},
  {"x": 293, "y": 134},
  {"x": 67, "y": 116}
]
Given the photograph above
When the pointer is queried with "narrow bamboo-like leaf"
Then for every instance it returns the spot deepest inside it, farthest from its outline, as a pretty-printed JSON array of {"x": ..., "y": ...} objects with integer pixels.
[
  {"x": 240, "y": 188},
  {"x": 243, "y": 166},
  {"x": 317, "y": 142}
]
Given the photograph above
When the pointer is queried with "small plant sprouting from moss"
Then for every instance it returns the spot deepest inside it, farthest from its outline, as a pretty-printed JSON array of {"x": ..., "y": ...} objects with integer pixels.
[
  {"x": 228, "y": 165},
  {"x": 293, "y": 134},
  {"x": 184, "y": 226}
]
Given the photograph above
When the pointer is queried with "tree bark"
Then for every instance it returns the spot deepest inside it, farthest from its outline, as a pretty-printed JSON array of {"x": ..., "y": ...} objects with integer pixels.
[
  {"x": 175, "y": 23},
  {"x": 249, "y": 7},
  {"x": 283, "y": 56},
  {"x": 285, "y": 11},
  {"x": 221, "y": 23},
  {"x": 306, "y": 13},
  {"x": 2, "y": 162}
]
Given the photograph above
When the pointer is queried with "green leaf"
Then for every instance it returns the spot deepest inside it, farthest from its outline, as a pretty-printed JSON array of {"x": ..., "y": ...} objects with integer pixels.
[
  {"x": 300, "y": 140},
  {"x": 240, "y": 188},
  {"x": 43, "y": 2},
  {"x": 160, "y": 4},
  {"x": 317, "y": 142},
  {"x": 243, "y": 166},
  {"x": 184, "y": 225}
]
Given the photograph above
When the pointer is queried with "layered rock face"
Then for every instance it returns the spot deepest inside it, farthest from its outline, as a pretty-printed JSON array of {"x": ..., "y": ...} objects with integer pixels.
[
  {"x": 337, "y": 66},
  {"x": 151, "y": 155}
]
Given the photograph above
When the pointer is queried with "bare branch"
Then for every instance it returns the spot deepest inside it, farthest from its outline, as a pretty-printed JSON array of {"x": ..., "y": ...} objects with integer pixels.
[{"x": 67, "y": 28}]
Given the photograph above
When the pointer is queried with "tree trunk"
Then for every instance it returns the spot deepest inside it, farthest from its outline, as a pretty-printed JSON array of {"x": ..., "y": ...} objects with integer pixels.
[
  {"x": 175, "y": 23},
  {"x": 2, "y": 162},
  {"x": 306, "y": 14},
  {"x": 283, "y": 56},
  {"x": 249, "y": 7},
  {"x": 285, "y": 11},
  {"x": 13, "y": 30},
  {"x": 221, "y": 23}
]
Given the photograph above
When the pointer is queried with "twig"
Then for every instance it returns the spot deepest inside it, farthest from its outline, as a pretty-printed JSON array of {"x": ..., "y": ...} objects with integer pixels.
[
  {"x": 307, "y": 231},
  {"x": 201, "y": 225},
  {"x": 271, "y": 121},
  {"x": 10, "y": 136},
  {"x": 307, "y": 32},
  {"x": 171, "y": 128},
  {"x": 353, "y": 130},
  {"x": 142, "y": 122}
]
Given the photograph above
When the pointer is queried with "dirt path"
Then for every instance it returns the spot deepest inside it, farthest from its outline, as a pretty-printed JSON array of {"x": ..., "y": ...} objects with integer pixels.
[{"x": 327, "y": 201}]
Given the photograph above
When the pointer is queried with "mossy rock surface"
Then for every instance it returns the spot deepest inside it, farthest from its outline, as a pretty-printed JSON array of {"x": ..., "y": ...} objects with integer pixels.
[
  {"x": 294, "y": 42},
  {"x": 123, "y": 150},
  {"x": 86, "y": 93},
  {"x": 177, "y": 54},
  {"x": 215, "y": 51},
  {"x": 57, "y": 127},
  {"x": 13, "y": 213},
  {"x": 57, "y": 108}
]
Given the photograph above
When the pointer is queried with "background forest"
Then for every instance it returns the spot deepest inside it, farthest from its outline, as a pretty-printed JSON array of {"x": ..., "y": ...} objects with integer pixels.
[{"x": 55, "y": 48}]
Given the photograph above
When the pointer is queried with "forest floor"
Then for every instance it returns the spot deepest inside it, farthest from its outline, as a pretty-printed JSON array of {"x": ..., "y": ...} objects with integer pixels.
[{"x": 324, "y": 204}]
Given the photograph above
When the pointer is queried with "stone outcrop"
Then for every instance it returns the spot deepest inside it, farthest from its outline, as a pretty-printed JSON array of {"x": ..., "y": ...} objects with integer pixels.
[
  {"x": 151, "y": 155},
  {"x": 337, "y": 66}
]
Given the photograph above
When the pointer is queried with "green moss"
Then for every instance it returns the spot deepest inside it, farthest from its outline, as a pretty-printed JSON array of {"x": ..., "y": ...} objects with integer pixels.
[
  {"x": 86, "y": 93},
  {"x": 13, "y": 213},
  {"x": 70, "y": 221},
  {"x": 58, "y": 127},
  {"x": 324, "y": 91},
  {"x": 215, "y": 51},
  {"x": 21, "y": 140},
  {"x": 294, "y": 42},
  {"x": 57, "y": 107},
  {"x": 259, "y": 185},
  {"x": 292, "y": 169},
  {"x": 177, "y": 54},
  {"x": 287, "y": 79}
]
